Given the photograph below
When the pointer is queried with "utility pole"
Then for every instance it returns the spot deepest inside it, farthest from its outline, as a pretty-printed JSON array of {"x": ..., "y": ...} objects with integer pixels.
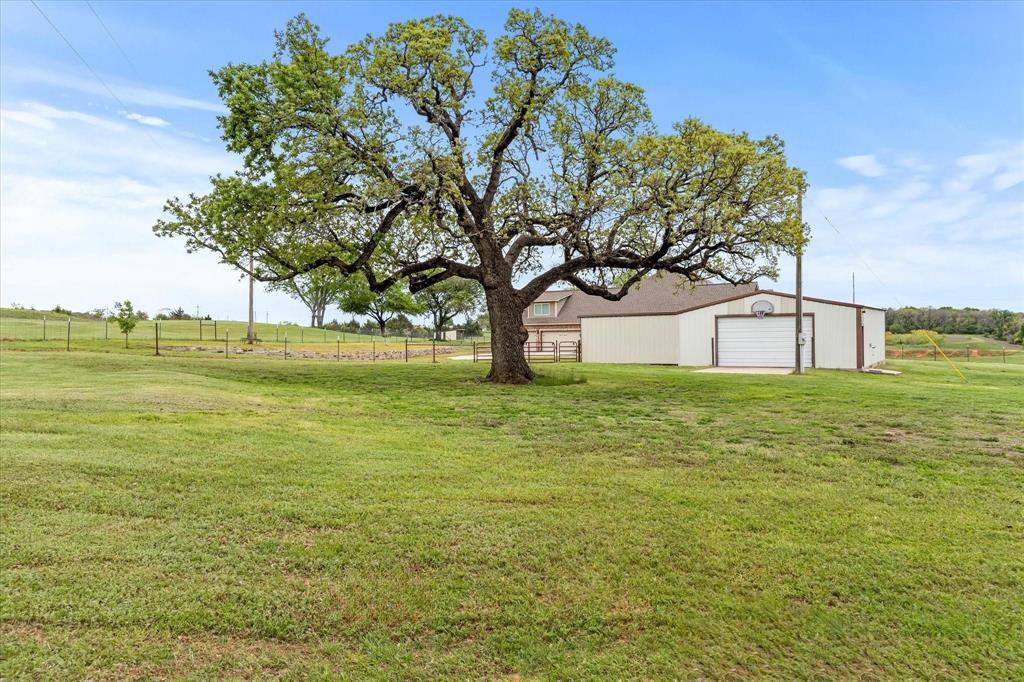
[
  {"x": 251, "y": 331},
  {"x": 800, "y": 291}
]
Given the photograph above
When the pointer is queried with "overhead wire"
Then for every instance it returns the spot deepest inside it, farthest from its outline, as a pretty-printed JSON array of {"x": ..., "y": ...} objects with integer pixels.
[{"x": 93, "y": 71}]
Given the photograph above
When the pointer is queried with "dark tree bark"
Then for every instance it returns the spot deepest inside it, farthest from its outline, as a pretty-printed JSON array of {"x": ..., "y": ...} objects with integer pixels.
[{"x": 508, "y": 334}]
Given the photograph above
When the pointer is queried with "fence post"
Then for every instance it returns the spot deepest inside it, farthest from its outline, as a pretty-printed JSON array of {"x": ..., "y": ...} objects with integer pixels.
[
  {"x": 44, "y": 327},
  {"x": 105, "y": 323},
  {"x": 407, "y": 349},
  {"x": 156, "y": 335},
  {"x": 339, "y": 349},
  {"x": 373, "y": 350},
  {"x": 286, "y": 345},
  {"x": 69, "y": 334},
  {"x": 474, "y": 351},
  {"x": 200, "y": 329},
  {"x": 325, "y": 336},
  {"x": 302, "y": 335},
  {"x": 1004, "y": 355},
  {"x": 433, "y": 350},
  {"x": 226, "y": 330},
  {"x": 277, "y": 333}
]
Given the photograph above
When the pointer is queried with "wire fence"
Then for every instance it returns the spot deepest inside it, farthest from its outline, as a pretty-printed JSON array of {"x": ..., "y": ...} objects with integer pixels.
[{"x": 51, "y": 328}]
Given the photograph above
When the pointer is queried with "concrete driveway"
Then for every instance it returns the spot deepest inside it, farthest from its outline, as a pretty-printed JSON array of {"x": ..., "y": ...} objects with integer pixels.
[{"x": 745, "y": 370}]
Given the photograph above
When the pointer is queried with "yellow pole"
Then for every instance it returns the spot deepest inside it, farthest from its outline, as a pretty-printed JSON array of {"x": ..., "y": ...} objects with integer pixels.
[{"x": 951, "y": 363}]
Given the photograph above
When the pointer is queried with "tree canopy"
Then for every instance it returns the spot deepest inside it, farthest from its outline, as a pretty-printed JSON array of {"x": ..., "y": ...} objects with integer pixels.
[
  {"x": 356, "y": 296},
  {"x": 384, "y": 158},
  {"x": 445, "y": 300},
  {"x": 315, "y": 289}
]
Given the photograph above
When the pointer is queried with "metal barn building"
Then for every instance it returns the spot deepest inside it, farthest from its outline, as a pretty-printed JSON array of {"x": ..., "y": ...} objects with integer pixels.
[{"x": 731, "y": 333}]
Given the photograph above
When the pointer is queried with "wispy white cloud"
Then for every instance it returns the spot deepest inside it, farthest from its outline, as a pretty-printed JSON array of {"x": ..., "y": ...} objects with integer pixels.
[
  {"x": 1004, "y": 168},
  {"x": 80, "y": 194},
  {"x": 864, "y": 164},
  {"x": 130, "y": 93},
  {"x": 936, "y": 233},
  {"x": 154, "y": 121}
]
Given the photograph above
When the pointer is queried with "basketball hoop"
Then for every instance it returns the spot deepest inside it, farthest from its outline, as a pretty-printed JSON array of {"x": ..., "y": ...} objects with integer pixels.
[{"x": 762, "y": 308}]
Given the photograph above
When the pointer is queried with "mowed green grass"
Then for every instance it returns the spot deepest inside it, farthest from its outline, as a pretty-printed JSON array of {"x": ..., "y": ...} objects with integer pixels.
[{"x": 197, "y": 517}]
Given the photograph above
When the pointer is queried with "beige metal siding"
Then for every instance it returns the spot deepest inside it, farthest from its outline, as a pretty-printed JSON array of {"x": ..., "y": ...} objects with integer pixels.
[
  {"x": 874, "y": 336},
  {"x": 835, "y": 329},
  {"x": 648, "y": 339},
  {"x": 697, "y": 327}
]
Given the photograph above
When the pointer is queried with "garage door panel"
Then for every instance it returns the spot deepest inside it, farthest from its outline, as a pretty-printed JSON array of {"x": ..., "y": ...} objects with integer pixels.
[
  {"x": 766, "y": 342},
  {"x": 560, "y": 336}
]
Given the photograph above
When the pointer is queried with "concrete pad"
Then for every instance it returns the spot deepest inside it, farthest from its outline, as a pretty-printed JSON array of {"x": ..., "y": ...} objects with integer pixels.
[{"x": 745, "y": 370}]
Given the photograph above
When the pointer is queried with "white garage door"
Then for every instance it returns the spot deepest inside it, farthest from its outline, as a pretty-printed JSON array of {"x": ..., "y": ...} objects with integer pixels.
[
  {"x": 550, "y": 336},
  {"x": 768, "y": 342}
]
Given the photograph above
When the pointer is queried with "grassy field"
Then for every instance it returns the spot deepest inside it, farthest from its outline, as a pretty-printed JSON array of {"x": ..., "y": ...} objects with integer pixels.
[
  {"x": 195, "y": 517},
  {"x": 954, "y": 341}
]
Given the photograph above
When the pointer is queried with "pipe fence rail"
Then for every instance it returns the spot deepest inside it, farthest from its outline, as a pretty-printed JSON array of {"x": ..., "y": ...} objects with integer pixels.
[
  {"x": 965, "y": 354},
  {"x": 538, "y": 351}
]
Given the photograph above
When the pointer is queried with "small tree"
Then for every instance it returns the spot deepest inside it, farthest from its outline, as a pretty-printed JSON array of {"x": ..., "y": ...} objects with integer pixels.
[
  {"x": 356, "y": 297},
  {"x": 1001, "y": 324},
  {"x": 125, "y": 317},
  {"x": 445, "y": 300},
  {"x": 316, "y": 290}
]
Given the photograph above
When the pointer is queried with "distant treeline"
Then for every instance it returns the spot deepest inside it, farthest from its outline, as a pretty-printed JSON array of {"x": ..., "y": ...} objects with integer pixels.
[{"x": 999, "y": 324}]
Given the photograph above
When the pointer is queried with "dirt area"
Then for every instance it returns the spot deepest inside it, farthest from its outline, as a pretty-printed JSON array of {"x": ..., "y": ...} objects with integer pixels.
[{"x": 348, "y": 355}]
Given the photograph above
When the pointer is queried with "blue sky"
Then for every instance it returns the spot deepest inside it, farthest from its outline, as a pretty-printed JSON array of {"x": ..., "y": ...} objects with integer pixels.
[{"x": 908, "y": 118}]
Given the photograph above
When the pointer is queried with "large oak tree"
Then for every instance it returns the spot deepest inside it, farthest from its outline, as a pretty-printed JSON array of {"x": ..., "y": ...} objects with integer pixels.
[{"x": 384, "y": 158}]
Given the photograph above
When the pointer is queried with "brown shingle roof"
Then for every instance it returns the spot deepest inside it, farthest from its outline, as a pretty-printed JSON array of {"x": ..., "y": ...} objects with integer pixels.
[{"x": 666, "y": 294}]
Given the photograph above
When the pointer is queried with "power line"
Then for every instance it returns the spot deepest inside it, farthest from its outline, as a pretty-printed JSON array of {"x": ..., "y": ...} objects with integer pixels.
[
  {"x": 114, "y": 40},
  {"x": 860, "y": 258},
  {"x": 93, "y": 71}
]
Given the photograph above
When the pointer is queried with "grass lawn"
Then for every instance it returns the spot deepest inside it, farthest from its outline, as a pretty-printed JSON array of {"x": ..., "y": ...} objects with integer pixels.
[{"x": 202, "y": 517}]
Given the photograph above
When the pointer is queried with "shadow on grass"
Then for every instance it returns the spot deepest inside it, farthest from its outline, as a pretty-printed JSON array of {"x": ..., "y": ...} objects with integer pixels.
[{"x": 559, "y": 379}]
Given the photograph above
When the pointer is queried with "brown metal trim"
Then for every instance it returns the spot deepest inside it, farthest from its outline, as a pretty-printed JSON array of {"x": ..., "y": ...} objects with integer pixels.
[
  {"x": 772, "y": 315},
  {"x": 736, "y": 298},
  {"x": 814, "y": 340},
  {"x": 716, "y": 344},
  {"x": 818, "y": 300},
  {"x": 860, "y": 338}
]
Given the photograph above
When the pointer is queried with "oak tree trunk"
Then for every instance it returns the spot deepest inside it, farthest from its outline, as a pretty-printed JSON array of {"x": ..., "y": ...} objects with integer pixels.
[{"x": 508, "y": 334}]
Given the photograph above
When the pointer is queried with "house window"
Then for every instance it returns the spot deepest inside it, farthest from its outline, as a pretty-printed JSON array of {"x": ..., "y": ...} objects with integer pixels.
[{"x": 541, "y": 309}]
